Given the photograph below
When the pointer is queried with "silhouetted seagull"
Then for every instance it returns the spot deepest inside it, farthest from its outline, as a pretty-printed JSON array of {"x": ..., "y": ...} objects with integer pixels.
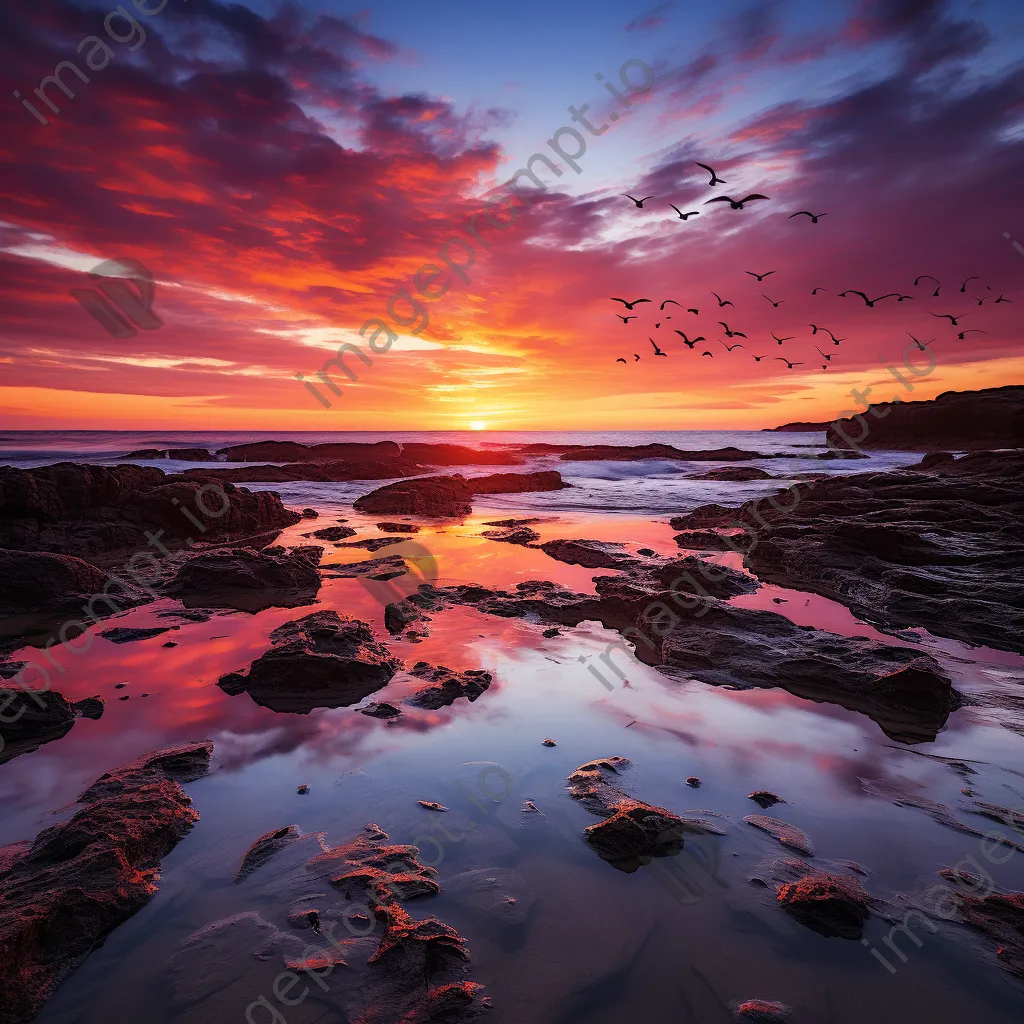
[
  {"x": 922, "y": 345},
  {"x": 807, "y": 213},
  {"x": 630, "y": 305},
  {"x": 954, "y": 320},
  {"x": 938, "y": 283},
  {"x": 787, "y": 362},
  {"x": 639, "y": 202},
  {"x": 715, "y": 179},
  {"x": 729, "y": 348},
  {"x": 673, "y": 301},
  {"x": 760, "y": 277},
  {"x": 731, "y": 334},
  {"x": 711, "y": 354},
  {"x": 1002, "y": 299},
  {"x": 722, "y": 302},
  {"x": 736, "y": 204},
  {"x": 814, "y": 291},
  {"x": 867, "y": 302},
  {"x": 684, "y": 216},
  {"x": 963, "y": 287},
  {"x": 781, "y": 340},
  {"x": 972, "y": 330},
  {"x": 686, "y": 340},
  {"x": 657, "y": 351},
  {"x": 827, "y": 358},
  {"x": 757, "y": 359},
  {"x": 621, "y": 360},
  {"x": 626, "y": 319},
  {"x": 772, "y": 301}
]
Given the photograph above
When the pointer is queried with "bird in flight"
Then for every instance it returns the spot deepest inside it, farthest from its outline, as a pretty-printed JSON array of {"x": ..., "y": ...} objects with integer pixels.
[
  {"x": 954, "y": 320},
  {"x": 686, "y": 340},
  {"x": 696, "y": 312},
  {"x": 708, "y": 354},
  {"x": 900, "y": 298},
  {"x": 626, "y": 319},
  {"x": 760, "y": 277},
  {"x": 788, "y": 363},
  {"x": 922, "y": 345},
  {"x": 814, "y": 291},
  {"x": 867, "y": 302},
  {"x": 807, "y": 213},
  {"x": 639, "y": 202},
  {"x": 981, "y": 301},
  {"x": 827, "y": 358},
  {"x": 621, "y": 360},
  {"x": 773, "y": 302},
  {"x": 630, "y": 305},
  {"x": 721, "y": 302},
  {"x": 824, "y": 366},
  {"x": 1002, "y": 299},
  {"x": 657, "y": 351},
  {"x": 715, "y": 179},
  {"x": 973, "y": 330},
  {"x": 683, "y": 216},
  {"x": 729, "y": 348},
  {"x": 731, "y": 334},
  {"x": 757, "y": 359},
  {"x": 737, "y": 204},
  {"x": 938, "y": 284},
  {"x": 963, "y": 287},
  {"x": 636, "y": 358},
  {"x": 781, "y": 340},
  {"x": 673, "y": 301}
]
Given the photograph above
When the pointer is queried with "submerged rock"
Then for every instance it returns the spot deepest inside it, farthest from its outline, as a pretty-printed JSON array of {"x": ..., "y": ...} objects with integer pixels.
[
  {"x": 591, "y": 554},
  {"x": 128, "y": 634},
  {"x": 512, "y": 535},
  {"x": 319, "y": 661},
  {"x": 765, "y": 798},
  {"x": 788, "y": 835},
  {"x": 64, "y": 893},
  {"x": 1000, "y": 916},
  {"x": 333, "y": 533},
  {"x": 761, "y": 1011}
]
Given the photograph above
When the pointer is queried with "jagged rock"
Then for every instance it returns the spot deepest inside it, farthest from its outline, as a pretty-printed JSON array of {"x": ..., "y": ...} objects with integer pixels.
[
  {"x": 178, "y": 454},
  {"x": 319, "y": 661},
  {"x": 765, "y": 798},
  {"x": 40, "y": 716},
  {"x": 447, "y": 685},
  {"x": 399, "y": 527},
  {"x": 311, "y": 552},
  {"x": 264, "y": 848},
  {"x": 512, "y": 535},
  {"x": 738, "y": 474},
  {"x": 64, "y": 893},
  {"x": 381, "y": 710},
  {"x": 244, "y": 579},
  {"x": 386, "y": 568}
]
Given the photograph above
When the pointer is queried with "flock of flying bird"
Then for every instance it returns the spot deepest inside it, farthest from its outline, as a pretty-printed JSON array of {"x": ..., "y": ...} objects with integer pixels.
[
  {"x": 730, "y": 333},
  {"x": 736, "y": 204}
]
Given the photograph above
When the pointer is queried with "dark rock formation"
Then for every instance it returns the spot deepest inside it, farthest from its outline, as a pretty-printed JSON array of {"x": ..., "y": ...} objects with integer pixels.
[
  {"x": 380, "y": 569},
  {"x": 512, "y": 535},
  {"x": 433, "y": 496},
  {"x": 264, "y": 848},
  {"x": 632, "y": 831},
  {"x": 447, "y": 685},
  {"x": 761, "y": 1011},
  {"x": 129, "y": 634},
  {"x": 1000, "y": 916},
  {"x": 39, "y": 716},
  {"x": 704, "y": 540},
  {"x": 398, "y": 527},
  {"x": 32, "y": 581},
  {"x": 245, "y": 579},
  {"x": 179, "y": 454},
  {"x": 591, "y": 554},
  {"x": 955, "y": 421},
  {"x": 333, "y": 533},
  {"x": 638, "y": 453},
  {"x": 832, "y": 905},
  {"x": 517, "y": 483},
  {"x": 293, "y": 451},
  {"x": 799, "y": 428},
  {"x": 64, "y": 893},
  {"x": 319, "y": 661},
  {"x": 81, "y": 510},
  {"x": 941, "y": 548},
  {"x": 735, "y": 473}
]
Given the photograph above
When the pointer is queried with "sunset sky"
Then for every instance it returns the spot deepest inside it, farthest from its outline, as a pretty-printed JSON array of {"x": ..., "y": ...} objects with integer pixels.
[{"x": 284, "y": 170}]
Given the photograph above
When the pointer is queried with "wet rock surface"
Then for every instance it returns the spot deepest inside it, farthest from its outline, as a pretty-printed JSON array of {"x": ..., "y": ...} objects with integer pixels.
[
  {"x": 1000, "y": 917},
  {"x": 82, "y": 510},
  {"x": 941, "y": 548},
  {"x": 39, "y": 716},
  {"x": 322, "y": 660},
  {"x": 788, "y": 835},
  {"x": 244, "y": 579},
  {"x": 512, "y": 535},
  {"x": 833, "y": 905},
  {"x": 632, "y": 831},
  {"x": 591, "y": 554},
  {"x": 63, "y": 893},
  {"x": 446, "y": 685}
]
